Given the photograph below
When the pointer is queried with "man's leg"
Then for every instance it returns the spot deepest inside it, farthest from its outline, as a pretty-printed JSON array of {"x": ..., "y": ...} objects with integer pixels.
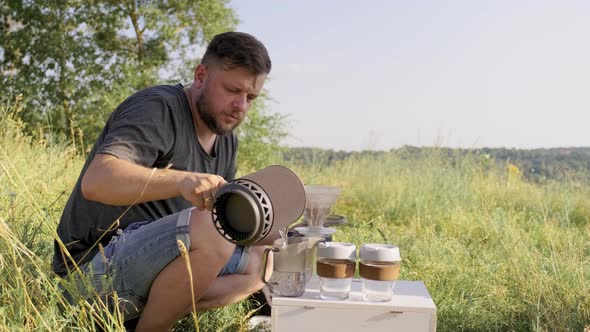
[
  {"x": 232, "y": 288},
  {"x": 170, "y": 293}
]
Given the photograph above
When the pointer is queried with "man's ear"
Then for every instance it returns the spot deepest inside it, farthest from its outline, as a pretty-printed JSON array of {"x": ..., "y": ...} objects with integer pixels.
[{"x": 200, "y": 74}]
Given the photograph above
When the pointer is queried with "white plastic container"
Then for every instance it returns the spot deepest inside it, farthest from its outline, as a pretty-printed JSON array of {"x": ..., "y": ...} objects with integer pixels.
[
  {"x": 336, "y": 265},
  {"x": 378, "y": 268}
]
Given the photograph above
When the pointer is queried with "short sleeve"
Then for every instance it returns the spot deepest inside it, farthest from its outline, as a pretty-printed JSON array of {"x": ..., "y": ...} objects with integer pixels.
[{"x": 141, "y": 131}]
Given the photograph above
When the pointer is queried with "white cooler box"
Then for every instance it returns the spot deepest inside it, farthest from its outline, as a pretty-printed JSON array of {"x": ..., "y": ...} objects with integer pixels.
[{"x": 410, "y": 309}]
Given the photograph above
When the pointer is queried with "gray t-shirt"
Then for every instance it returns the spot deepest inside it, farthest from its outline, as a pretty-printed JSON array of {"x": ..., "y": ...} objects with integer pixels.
[{"x": 152, "y": 128}]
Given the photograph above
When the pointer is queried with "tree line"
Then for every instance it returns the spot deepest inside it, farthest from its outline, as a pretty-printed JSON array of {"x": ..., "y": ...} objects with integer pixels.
[{"x": 536, "y": 165}]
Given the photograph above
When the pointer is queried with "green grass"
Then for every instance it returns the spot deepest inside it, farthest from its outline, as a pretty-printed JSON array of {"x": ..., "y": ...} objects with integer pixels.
[{"x": 496, "y": 253}]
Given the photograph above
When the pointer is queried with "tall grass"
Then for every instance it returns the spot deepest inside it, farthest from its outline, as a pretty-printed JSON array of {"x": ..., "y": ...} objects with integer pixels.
[{"x": 496, "y": 253}]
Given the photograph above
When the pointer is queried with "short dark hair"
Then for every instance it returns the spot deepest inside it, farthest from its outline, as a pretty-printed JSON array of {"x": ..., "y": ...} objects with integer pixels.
[{"x": 238, "y": 50}]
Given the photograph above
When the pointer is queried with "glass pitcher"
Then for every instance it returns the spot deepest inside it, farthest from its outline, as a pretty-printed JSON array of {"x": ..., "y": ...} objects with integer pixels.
[{"x": 289, "y": 267}]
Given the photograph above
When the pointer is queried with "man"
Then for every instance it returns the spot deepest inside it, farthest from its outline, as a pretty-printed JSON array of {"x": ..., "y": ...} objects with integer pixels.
[{"x": 163, "y": 151}]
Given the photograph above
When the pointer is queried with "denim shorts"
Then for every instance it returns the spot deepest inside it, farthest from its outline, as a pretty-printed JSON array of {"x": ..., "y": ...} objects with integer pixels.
[{"x": 135, "y": 256}]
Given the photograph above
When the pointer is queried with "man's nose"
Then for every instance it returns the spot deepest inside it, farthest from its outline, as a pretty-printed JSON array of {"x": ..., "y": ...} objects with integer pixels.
[{"x": 241, "y": 103}]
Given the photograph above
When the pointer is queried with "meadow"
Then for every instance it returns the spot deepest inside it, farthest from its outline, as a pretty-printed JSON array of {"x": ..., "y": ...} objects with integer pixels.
[{"x": 496, "y": 252}]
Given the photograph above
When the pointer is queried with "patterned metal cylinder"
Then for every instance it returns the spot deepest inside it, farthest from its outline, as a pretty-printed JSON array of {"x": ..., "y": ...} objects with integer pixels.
[{"x": 250, "y": 208}]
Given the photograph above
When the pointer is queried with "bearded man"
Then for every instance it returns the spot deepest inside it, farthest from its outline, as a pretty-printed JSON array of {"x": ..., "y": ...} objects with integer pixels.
[{"x": 148, "y": 183}]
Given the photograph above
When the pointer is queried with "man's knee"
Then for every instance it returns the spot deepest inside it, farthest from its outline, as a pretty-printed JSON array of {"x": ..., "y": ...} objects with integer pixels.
[{"x": 205, "y": 237}]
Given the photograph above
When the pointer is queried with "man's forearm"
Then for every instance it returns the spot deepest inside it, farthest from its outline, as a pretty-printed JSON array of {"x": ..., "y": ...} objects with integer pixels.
[{"x": 113, "y": 181}]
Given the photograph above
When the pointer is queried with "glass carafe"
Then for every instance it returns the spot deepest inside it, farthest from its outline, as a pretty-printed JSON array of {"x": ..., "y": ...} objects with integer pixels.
[{"x": 288, "y": 267}]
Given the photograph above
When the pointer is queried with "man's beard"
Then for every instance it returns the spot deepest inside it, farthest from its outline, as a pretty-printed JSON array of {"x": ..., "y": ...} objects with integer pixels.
[{"x": 205, "y": 113}]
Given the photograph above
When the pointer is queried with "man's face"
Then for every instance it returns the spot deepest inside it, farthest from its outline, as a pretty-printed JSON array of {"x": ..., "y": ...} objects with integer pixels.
[{"x": 226, "y": 96}]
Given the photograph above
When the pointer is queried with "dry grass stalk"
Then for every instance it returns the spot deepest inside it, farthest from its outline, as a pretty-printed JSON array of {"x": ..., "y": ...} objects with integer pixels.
[{"x": 184, "y": 253}]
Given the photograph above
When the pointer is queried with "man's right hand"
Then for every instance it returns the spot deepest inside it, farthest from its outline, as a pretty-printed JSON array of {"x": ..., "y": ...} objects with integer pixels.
[{"x": 200, "y": 189}]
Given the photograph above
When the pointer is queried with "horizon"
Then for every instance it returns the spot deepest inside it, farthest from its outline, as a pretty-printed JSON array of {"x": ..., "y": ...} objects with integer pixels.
[{"x": 445, "y": 147}]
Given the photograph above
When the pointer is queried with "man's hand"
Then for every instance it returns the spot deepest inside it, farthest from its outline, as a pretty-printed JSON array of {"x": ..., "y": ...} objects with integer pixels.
[{"x": 200, "y": 188}]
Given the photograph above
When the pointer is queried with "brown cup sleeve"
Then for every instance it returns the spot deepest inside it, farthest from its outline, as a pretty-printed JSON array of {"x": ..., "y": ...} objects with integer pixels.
[
  {"x": 384, "y": 272},
  {"x": 337, "y": 269}
]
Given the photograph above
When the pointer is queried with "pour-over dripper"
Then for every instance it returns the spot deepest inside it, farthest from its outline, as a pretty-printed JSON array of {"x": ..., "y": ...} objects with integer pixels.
[{"x": 319, "y": 202}]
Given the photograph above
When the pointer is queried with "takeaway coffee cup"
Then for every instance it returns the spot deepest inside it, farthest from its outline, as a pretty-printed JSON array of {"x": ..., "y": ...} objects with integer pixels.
[
  {"x": 336, "y": 264},
  {"x": 379, "y": 268},
  {"x": 250, "y": 208}
]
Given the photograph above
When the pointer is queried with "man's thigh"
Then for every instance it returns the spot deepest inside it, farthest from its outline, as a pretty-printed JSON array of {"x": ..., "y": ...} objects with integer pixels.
[
  {"x": 134, "y": 257},
  {"x": 137, "y": 254}
]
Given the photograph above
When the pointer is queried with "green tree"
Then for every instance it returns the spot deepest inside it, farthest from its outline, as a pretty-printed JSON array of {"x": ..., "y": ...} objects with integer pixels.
[
  {"x": 75, "y": 60},
  {"x": 47, "y": 58}
]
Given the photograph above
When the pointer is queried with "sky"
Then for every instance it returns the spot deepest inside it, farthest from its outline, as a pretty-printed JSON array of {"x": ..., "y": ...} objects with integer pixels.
[{"x": 355, "y": 75}]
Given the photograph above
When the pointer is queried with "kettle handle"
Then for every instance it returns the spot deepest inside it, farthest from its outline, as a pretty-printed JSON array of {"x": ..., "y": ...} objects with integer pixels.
[{"x": 265, "y": 264}]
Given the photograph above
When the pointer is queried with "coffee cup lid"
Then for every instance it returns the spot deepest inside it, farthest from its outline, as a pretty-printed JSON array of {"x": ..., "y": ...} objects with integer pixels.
[
  {"x": 336, "y": 250},
  {"x": 379, "y": 252}
]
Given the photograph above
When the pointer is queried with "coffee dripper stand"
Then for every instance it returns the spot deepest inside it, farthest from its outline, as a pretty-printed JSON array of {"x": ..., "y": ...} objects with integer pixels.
[
  {"x": 298, "y": 254},
  {"x": 316, "y": 221}
]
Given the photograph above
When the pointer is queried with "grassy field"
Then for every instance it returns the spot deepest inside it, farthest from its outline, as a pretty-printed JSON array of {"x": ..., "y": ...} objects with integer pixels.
[{"x": 496, "y": 253}]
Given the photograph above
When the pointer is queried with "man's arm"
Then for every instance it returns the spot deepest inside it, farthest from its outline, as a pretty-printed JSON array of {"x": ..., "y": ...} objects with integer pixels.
[{"x": 114, "y": 181}]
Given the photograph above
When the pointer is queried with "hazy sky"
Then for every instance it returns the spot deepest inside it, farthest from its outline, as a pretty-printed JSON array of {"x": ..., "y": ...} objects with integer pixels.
[{"x": 357, "y": 75}]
